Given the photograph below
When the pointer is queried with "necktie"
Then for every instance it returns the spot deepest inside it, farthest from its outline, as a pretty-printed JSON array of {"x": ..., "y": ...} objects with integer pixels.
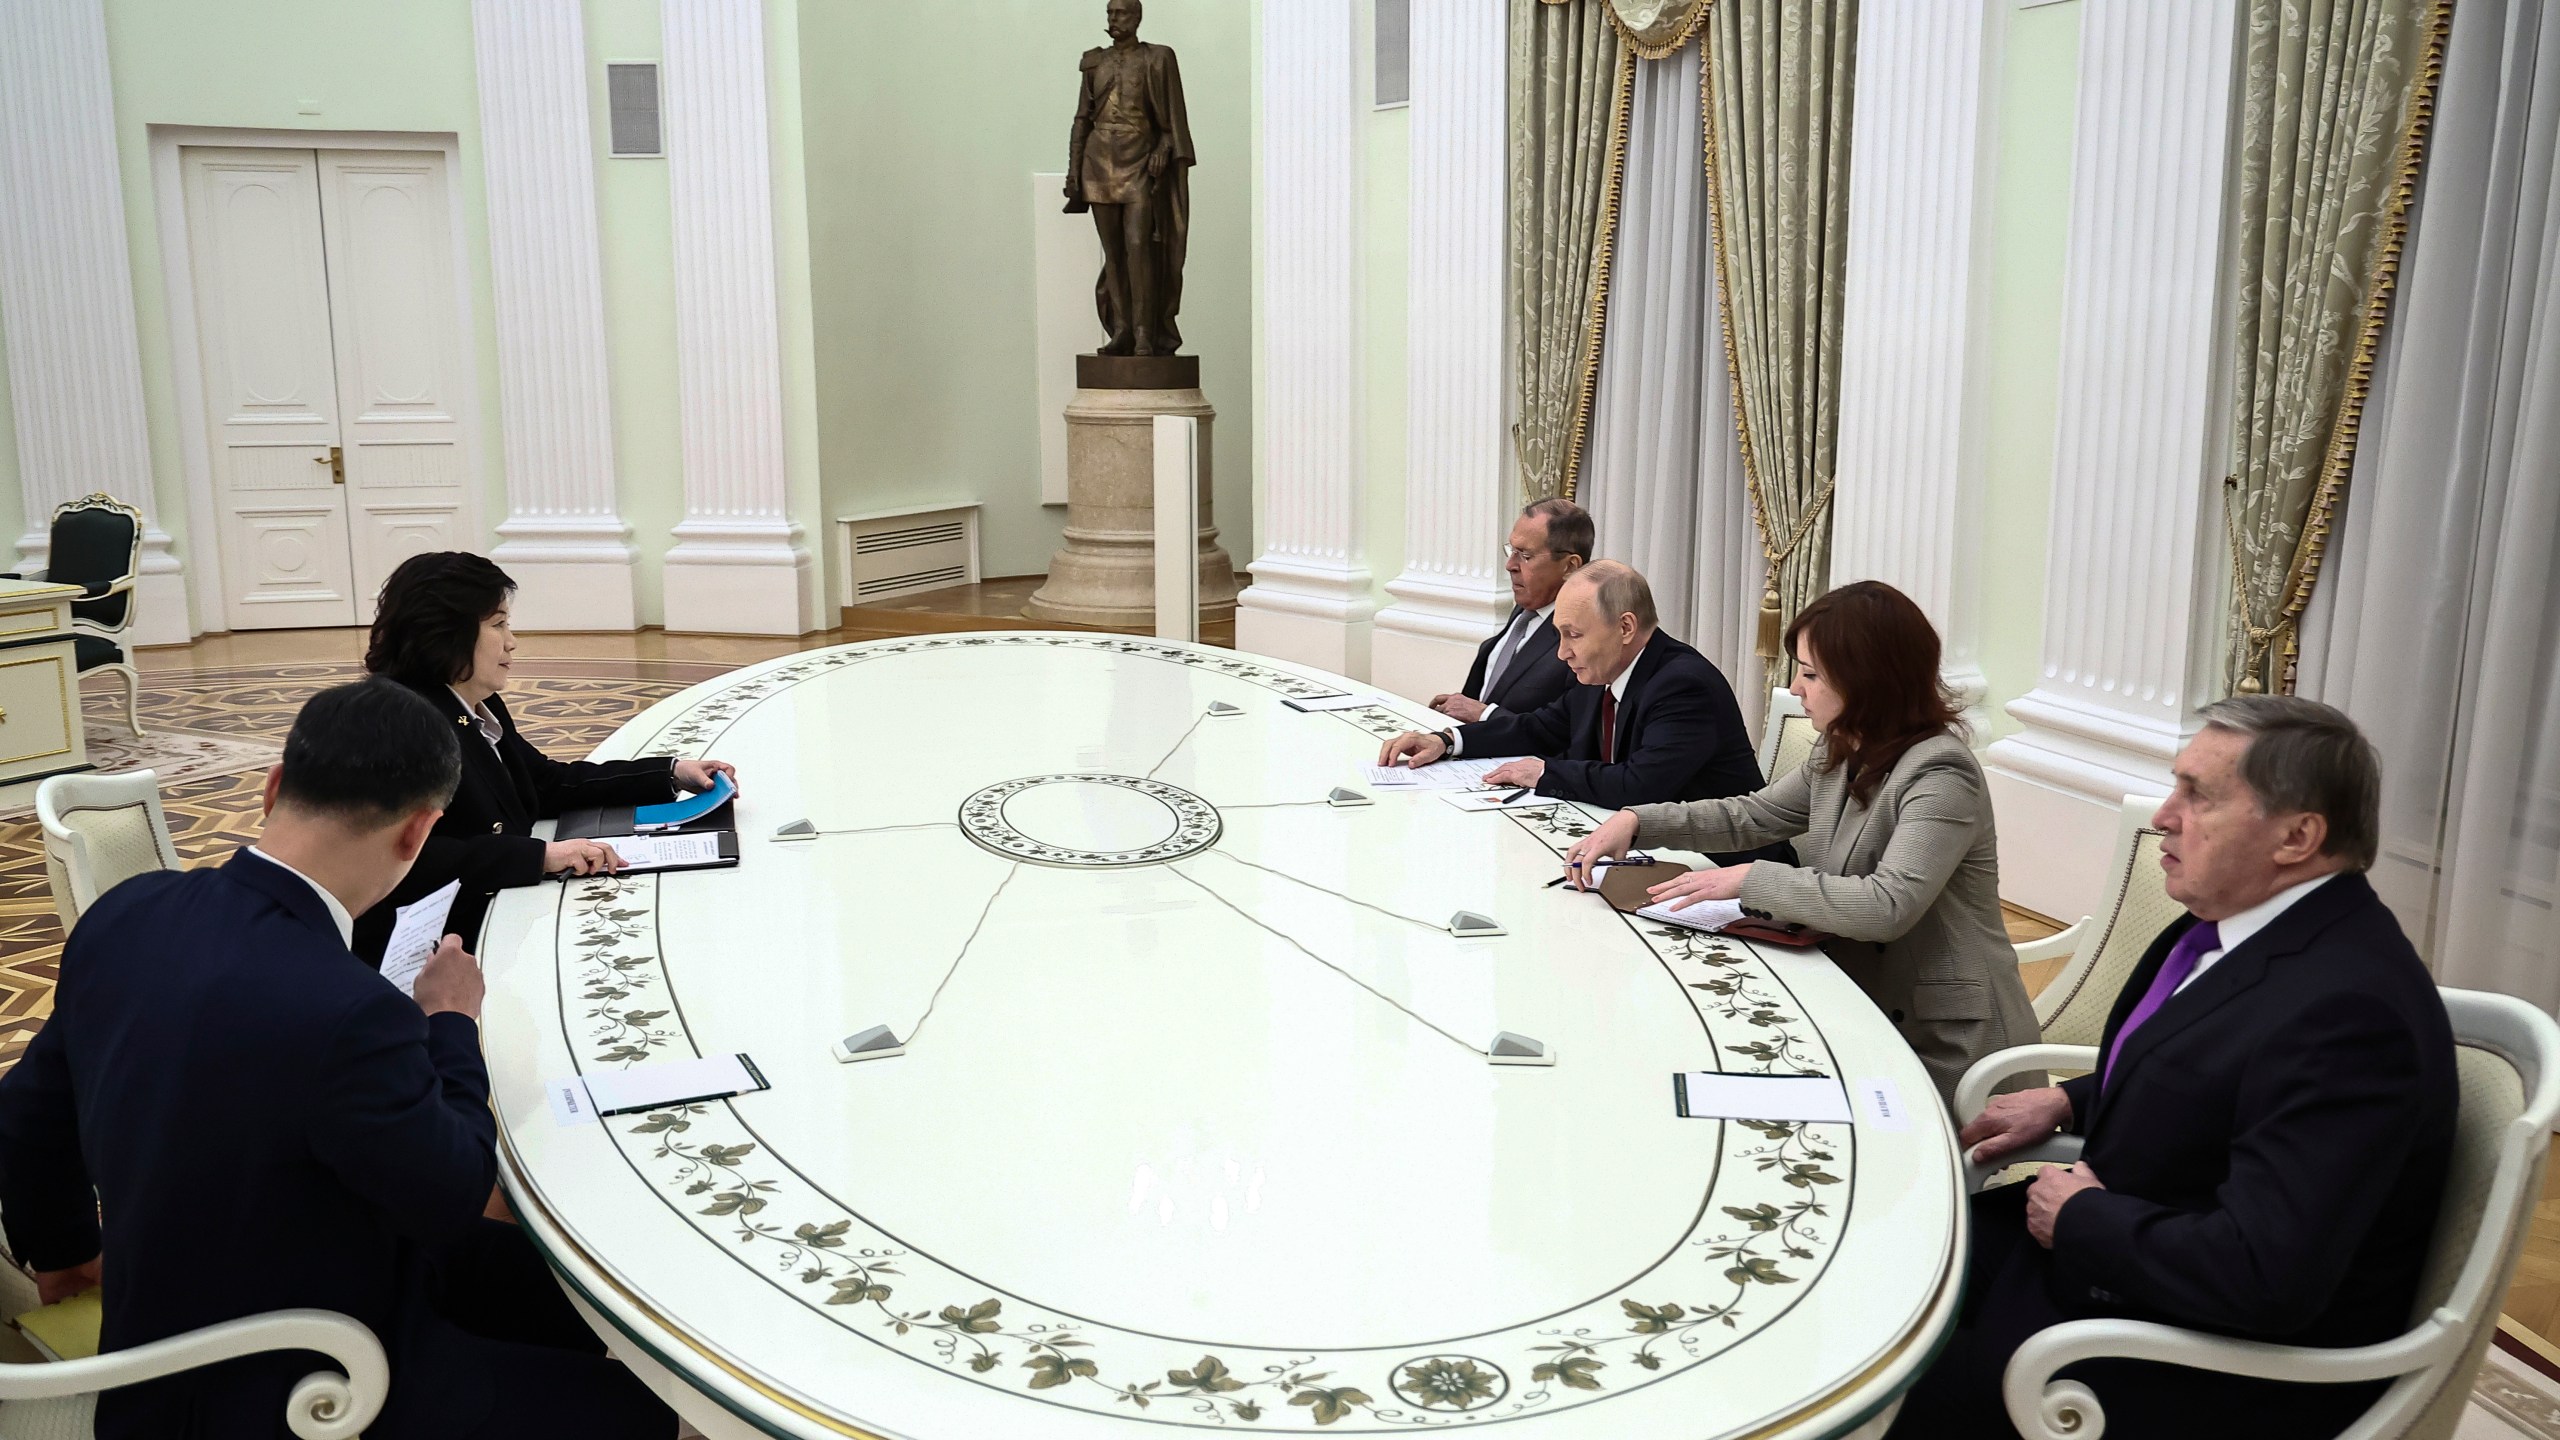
[
  {"x": 1608, "y": 726},
  {"x": 1506, "y": 648},
  {"x": 2200, "y": 937}
]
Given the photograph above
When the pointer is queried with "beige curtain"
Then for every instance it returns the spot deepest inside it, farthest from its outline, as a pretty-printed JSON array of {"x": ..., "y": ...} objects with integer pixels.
[
  {"x": 1654, "y": 29},
  {"x": 2333, "y": 123},
  {"x": 1776, "y": 95},
  {"x": 1568, "y": 100}
]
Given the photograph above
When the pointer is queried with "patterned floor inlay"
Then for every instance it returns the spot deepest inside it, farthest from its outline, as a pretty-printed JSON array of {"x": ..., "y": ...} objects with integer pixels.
[{"x": 213, "y": 732}]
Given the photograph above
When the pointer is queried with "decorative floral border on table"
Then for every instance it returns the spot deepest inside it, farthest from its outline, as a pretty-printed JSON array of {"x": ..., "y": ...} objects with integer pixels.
[
  {"x": 1196, "y": 823},
  {"x": 1770, "y": 1224},
  {"x": 707, "y": 719}
]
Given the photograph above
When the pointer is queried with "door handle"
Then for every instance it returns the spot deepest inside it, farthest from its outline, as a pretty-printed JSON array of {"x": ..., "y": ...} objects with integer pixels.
[{"x": 336, "y": 460}]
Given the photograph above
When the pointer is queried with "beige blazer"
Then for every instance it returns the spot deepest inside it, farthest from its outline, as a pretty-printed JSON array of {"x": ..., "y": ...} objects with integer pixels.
[{"x": 1909, "y": 882}]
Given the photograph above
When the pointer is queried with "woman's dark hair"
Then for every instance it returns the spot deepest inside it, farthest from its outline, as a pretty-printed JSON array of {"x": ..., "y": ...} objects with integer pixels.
[
  {"x": 427, "y": 623},
  {"x": 1880, "y": 655}
]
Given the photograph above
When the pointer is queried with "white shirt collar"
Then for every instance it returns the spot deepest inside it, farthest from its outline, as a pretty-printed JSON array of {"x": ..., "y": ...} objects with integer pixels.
[
  {"x": 346, "y": 923},
  {"x": 2243, "y": 927},
  {"x": 1618, "y": 687},
  {"x": 485, "y": 719}
]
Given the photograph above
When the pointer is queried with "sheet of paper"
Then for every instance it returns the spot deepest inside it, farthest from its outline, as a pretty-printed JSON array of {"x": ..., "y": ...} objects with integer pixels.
[
  {"x": 1315, "y": 704},
  {"x": 1708, "y": 915},
  {"x": 1446, "y": 775},
  {"x": 1493, "y": 799},
  {"x": 416, "y": 930},
  {"x": 694, "y": 849},
  {"x": 1882, "y": 1100},
  {"x": 1709, "y": 1095},
  {"x": 672, "y": 1082}
]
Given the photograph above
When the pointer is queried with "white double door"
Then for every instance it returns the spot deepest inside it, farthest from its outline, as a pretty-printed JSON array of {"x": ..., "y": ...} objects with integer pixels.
[{"x": 336, "y": 378}]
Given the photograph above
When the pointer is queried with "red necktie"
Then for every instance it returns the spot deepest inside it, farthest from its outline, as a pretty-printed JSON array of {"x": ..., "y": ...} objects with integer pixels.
[{"x": 1608, "y": 725}]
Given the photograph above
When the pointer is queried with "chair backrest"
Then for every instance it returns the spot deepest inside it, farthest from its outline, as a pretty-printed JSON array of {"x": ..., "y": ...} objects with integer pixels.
[
  {"x": 2133, "y": 909},
  {"x": 1787, "y": 737},
  {"x": 2508, "y": 1066},
  {"x": 99, "y": 831},
  {"x": 96, "y": 540}
]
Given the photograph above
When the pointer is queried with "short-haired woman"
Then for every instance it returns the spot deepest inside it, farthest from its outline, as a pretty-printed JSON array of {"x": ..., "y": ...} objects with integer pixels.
[
  {"x": 443, "y": 627},
  {"x": 1892, "y": 823}
]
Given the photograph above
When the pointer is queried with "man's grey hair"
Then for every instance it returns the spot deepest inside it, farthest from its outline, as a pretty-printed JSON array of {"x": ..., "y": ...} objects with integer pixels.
[
  {"x": 1620, "y": 591},
  {"x": 2308, "y": 758},
  {"x": 1569, "y": 527}
]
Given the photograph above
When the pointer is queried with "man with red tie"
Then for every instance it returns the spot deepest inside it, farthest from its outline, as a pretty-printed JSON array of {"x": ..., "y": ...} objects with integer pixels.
[
  {"x": 2269, "y": 1126},
  {"x": 1651, "y": 719}
]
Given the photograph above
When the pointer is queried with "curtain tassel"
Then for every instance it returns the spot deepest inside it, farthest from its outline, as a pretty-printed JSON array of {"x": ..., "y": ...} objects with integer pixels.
[{"x": 1772, "y": 627}]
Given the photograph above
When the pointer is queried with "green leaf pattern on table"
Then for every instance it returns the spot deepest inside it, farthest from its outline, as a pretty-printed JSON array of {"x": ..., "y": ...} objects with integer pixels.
[{"x": 1766, "y": 1233}]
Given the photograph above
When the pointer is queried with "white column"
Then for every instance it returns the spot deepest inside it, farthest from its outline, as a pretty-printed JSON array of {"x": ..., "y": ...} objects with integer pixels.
[
  {"x": 66, "y": 293},
  {"x": 1309, "y": 600},
  {"x": 1459, "y": 486},
  {"x": 562, "y": 541},
  {"x": 1908, "y": 507},
  {"x": 740, "y": 564},
  {"x": 2131, "y": 551}
]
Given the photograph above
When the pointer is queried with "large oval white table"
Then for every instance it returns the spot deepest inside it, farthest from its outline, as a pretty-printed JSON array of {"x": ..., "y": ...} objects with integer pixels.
[{"x": 1194, "y": 1126}]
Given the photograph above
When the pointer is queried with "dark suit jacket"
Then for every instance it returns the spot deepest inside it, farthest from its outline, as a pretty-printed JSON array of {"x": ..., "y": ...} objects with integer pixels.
[
  {"x": 485, "y": 839},
  {"x": 2275, "y": 1140},
  {"x": 1680, "y": 735},
  {"x": 1536, "y": 675},
  {"x": 267, "y": 1123}
]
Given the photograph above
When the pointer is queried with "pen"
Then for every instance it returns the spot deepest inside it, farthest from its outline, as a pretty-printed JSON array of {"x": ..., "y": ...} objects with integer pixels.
[{"x": 1514, "y": 795}]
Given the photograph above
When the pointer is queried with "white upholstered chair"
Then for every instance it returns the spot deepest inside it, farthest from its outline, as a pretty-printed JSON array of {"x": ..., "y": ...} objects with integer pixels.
[
  {"x": 1786, "y": 737},
  {"x": 57, "y": 1400},
  {"x": 2134, "y": 908},
  {"x": 99, "y": 831},
  {"x": 2508, "y": 1063}
]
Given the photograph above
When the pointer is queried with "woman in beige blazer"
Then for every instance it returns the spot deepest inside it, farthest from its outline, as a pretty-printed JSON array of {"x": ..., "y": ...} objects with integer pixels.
[{"x": 1893, "y": 827}]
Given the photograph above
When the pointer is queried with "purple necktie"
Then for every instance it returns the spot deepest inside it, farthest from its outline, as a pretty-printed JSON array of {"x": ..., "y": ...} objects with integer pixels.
[{"x": 2200, "y": 937}]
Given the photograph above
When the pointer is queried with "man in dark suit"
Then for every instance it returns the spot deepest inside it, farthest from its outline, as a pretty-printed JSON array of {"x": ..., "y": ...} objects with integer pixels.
[
  {"x": 1651, "y": 719},
  {"x": 1517, "y": 667},
  {"x": 2268, "y": 1130},
  {"x": 264, "y": 1123}
]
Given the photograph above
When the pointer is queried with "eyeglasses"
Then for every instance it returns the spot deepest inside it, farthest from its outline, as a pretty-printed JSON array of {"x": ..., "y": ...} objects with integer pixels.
[{"x": 1514, "y": 552}]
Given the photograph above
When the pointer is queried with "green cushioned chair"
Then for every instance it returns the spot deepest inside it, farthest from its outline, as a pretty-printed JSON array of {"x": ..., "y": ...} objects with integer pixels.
[{"x": 96, "y": 544}]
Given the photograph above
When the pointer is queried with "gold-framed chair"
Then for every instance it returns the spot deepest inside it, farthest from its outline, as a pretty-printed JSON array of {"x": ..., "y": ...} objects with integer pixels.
[{"x": 96, "y": 543}]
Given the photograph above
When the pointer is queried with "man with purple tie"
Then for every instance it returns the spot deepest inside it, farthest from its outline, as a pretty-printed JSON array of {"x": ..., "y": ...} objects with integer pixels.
[{"x": 2267, "y": 1133}]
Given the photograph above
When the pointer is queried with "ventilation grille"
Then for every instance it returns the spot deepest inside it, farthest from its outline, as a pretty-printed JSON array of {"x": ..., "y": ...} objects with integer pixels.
[
  {"x": 1393, "y": 76},
  {"x": 903, "y": 554},
  {"x": 631, "y": 90}
]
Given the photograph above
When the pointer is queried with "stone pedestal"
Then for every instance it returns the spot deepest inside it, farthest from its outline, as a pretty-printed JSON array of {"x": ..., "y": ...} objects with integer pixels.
[{"x": 1105, "y": 573}]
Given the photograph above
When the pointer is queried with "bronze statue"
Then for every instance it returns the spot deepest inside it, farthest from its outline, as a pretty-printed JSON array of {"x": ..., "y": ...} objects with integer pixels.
[{"x": 1128, "y": 161}]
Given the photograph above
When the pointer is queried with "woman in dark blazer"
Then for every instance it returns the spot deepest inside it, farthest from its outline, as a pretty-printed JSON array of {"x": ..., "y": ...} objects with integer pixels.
[
  {"x": 1892, "y": 823},
  {"x": 443, "y": 628}
]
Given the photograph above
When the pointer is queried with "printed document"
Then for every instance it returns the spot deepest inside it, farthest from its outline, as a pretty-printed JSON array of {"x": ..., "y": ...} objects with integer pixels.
[
  {"x": 1447, "y": 775},
  {"x": 416, "y": 930},
  {"x": 1707, "y": 915},
  {"x": 658, "y": 852}
]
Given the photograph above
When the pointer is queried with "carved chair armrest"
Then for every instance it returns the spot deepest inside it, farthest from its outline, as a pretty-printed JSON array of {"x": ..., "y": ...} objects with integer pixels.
[
  {"x": 324, "y": 1406},
  {"x": 2056, "y": 946},
  {"x": 2044, "y": 1408},
  {"x": 1974, "y": 1090}
]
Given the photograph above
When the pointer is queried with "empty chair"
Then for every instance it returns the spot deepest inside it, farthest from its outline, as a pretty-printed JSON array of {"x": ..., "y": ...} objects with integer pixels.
[
  {"x": 96, "y": 544},
  {"x": 99, "y": 831}
]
